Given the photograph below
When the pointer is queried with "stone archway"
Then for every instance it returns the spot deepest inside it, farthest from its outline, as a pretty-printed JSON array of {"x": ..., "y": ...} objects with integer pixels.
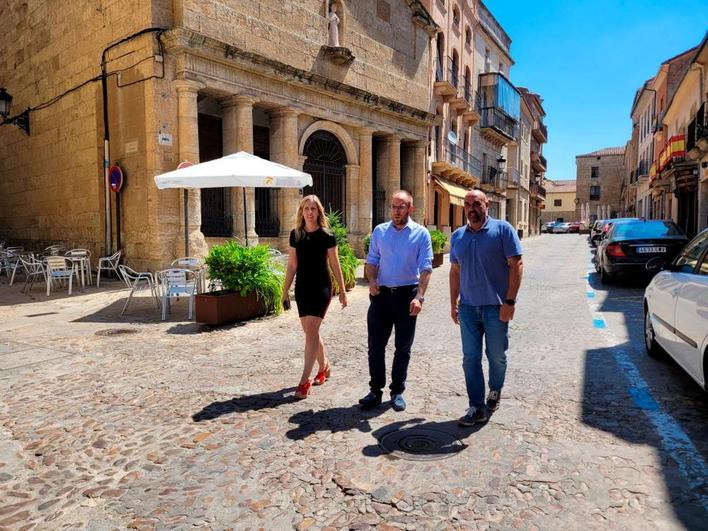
[
  {"x": 337, "y": 130},
  {"x": 326, "y": 160}
]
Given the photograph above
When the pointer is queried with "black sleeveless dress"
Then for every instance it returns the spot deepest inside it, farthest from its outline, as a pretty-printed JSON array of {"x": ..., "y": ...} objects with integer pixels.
[{"x": 313, "y": 286}]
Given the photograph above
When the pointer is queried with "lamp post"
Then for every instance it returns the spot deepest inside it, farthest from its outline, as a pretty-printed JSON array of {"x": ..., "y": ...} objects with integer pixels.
[{"x": 21, "y": 120}]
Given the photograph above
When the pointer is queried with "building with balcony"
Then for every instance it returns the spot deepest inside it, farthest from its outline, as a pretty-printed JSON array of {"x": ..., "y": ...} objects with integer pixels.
[
  {"x": 664, "y": 86},
  {"x": 453, "y": 168},
  {"x": 560, "y": 201},
  {"x": 599, "y": 177},
  {"x": 270, "y": 80},
  {"x": 538, "y": 164},
  {"x": 519, "y": 168},
  {"x": 682, "y": 163}
]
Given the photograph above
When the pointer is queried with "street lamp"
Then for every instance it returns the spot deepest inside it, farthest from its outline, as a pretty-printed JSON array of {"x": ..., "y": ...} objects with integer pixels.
[
  {"x": 21, "y": 120},
  {"x": 501, "y": 163}
]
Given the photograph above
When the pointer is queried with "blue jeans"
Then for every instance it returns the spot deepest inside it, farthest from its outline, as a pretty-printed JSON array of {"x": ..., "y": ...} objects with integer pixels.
[{"x": 477, "y": 322}]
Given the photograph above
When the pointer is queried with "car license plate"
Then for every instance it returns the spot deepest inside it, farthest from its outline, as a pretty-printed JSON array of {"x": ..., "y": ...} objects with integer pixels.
[{"x": 651, "y": 249}]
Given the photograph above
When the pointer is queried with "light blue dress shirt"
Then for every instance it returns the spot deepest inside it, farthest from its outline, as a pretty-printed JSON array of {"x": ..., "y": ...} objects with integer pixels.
[{"x": 401, "y": 255}]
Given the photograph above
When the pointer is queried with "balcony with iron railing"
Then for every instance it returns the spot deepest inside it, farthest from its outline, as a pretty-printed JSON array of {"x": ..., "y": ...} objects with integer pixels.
[
  {"x": 499, "y": 107},
  {"x": 697, "y": 135},
  {"x": 458, "y": 165},
  {"x": 537, "y": 190},
  {"x": 493, "y": 179},
  {"x": 538, "y": 162},
  {"x": 673, "y": 151},
  {"x": 471, "y": 114},
  {"x": 514, "y": 178},
  {"x": 540, "y": 132},
  {"x": 447, "y": 77}
]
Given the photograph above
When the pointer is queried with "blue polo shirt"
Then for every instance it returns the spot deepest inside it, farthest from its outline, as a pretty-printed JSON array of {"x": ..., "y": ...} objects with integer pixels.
[
  {"x": 401, "y": 255},
  {"x": 482, "y": 256}
]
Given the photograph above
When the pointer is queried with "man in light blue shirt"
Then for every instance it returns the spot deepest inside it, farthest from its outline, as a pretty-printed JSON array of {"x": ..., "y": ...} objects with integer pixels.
[
  {"x": 398, "y": 268},
  {"x": 485, "y": 276}
]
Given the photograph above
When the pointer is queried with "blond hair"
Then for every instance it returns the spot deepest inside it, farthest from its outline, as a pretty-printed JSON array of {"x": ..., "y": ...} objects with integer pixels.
[{"x": 300, "y": 219}]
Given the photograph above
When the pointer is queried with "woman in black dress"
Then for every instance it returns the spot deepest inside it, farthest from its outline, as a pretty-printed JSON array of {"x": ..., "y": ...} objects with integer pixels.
[{"x": 313, "y": 248}]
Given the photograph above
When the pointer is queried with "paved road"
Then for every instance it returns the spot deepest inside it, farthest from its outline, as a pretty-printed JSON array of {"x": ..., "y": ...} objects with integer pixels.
[{"x": 179, "y": 426}]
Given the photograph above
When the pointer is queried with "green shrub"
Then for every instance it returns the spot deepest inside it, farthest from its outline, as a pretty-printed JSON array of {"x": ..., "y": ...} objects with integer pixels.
[
  {"x": 246, "y": 269},
  {"x": 347, "y": 259},
  {"x": 367, "y": 243},
  {"x": 438, "y": 240}
]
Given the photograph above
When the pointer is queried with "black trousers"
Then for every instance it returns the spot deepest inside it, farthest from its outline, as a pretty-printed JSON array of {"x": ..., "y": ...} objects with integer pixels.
[{"x": 388, "y": 310}]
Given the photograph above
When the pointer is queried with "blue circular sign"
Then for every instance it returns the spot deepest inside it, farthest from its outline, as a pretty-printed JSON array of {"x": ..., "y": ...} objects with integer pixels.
[{"x": 115, "y": 178}]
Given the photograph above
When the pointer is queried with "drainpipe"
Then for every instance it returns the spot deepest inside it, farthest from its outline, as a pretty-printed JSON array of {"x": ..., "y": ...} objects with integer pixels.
[{"x": 106, "y": 136}]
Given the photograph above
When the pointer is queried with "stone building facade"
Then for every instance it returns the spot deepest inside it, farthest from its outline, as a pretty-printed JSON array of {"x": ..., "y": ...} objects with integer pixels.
[
  {"x": 195, "y": 80},
  {"x": 560, "y": 201},
  {"x": 539, "y": 136},
  {"x": 599, "y": 180}
]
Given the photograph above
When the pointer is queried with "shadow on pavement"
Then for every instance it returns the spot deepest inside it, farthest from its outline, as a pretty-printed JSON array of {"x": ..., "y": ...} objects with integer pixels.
[
  {"x": 647, "y": 401},
  {"x": 333, "y": 420},
  {"x": 241, "y": 404},
  {"x": 447, "y": 427}
]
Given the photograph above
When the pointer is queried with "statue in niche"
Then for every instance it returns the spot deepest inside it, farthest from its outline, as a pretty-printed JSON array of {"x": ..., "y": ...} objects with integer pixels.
[{"x": 333, "y": 37}]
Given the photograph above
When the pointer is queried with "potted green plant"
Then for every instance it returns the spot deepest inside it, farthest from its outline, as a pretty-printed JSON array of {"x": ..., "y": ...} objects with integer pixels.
[
  {"x": 438, "y": 239},
  {"x": 347, "y": 259},
  {"x": 251, "y": 285}
]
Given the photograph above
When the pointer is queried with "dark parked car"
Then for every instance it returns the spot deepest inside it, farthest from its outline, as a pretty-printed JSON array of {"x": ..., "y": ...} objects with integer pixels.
[
  {"x": 630, "y": 244},
  {"x": 601, "y": 231}
]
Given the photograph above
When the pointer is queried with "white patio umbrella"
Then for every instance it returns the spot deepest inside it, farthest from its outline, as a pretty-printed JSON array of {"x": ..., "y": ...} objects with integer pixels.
[{"x": 238, "y": 169}]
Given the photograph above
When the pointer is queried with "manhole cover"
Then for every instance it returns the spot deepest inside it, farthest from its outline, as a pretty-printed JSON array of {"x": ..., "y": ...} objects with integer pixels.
[
  {"x": 420, "y": 444},
  {"x": 116, "y": 331}
]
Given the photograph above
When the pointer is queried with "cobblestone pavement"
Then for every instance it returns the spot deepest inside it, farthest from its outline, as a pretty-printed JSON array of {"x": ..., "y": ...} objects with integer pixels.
[{"x": 173, "y": 425}]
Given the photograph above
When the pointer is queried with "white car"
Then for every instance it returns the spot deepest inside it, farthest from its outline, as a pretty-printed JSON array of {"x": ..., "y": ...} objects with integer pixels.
[
  {"x": 676, "y": 310},
  {"x": 561, "y": 228}
]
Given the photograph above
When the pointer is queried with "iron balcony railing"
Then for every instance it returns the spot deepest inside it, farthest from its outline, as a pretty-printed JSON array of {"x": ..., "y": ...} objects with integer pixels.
[
  {"x": 697, "y": 129},
  {"x": 471, "y": 96},
  {"x": 492, "y": 176},
  {"x": 458, "y": 157},
  {"x": 542, "y": 160},
  {"x": 538, "y": 190},
  {"x": 450, "y": 72},
  {"x": 515, "y": 176},
  {"x": 499, "y": 120},
  {"x": 541, "y": 127}
]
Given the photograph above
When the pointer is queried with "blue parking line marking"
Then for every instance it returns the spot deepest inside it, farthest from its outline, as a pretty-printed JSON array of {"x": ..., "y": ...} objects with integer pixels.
[
  {"x": 590, "y": 294},
  {"x": 598, "y": 322},
  {"x": 643, "y": 399}
]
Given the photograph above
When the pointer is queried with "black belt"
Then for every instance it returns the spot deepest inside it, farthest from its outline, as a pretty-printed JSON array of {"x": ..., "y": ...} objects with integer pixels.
[{"x": 398, "y": 288}]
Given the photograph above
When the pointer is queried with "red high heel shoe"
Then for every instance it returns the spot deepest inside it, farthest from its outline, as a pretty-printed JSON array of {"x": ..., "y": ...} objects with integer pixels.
[
  {"x": 322, "y": 376},
  {"x": 303, "y": 390}
]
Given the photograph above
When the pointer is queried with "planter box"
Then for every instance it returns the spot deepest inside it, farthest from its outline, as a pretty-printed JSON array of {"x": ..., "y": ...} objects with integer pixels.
[
  {"x": 437, "y": 259},
  {"x": 223, "y": 307}
]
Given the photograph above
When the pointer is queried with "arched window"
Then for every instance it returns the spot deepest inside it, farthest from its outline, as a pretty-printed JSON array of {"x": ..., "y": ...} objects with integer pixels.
[
  {"x": 441, "y": 58},
  {"x": 455, "y": 68},
  {"x": 468, "y": 36},
  {"x": 456, "y": 16}
]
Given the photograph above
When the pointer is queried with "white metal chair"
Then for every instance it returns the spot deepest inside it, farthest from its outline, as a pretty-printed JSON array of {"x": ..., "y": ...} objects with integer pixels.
[
  {"x": 138, "y": 281},
  {"x": 12, "y": 262},
  {"x": 54, "y": 250},
  {"x": 82, "y": 259},
  {"x": 108, "y": 263},
  {"x": 60, "y": 269},
  {"x": 33, "y": 268},
  {"x": 176, "y": 283},
  {"x": 193, "y": 264}
]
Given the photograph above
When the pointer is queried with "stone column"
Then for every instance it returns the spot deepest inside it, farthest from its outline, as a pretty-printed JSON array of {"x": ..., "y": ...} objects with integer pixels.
[
  {"x": 393, "y": 166},
  {"x": 365, "y": 181},
  {"x": 420, "y": 180},
  {"x": 188, "y": 145},
  {"x": 238, "y": 136},
  {"x": 284, "y": 149},
  {"x": 352, "y": 197}
]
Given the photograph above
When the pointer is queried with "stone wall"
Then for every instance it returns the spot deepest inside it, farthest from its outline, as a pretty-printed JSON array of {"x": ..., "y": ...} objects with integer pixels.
[
  {"x": 51, "y": 182},
  {"x": 392, "y": 55},
  {"x": 611, "y": 172}
]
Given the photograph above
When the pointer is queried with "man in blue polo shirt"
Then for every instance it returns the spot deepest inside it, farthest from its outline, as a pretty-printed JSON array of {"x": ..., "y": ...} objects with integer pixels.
[
  {"x": 485, "y": 276},
  {"x": 398, "y": 268}
]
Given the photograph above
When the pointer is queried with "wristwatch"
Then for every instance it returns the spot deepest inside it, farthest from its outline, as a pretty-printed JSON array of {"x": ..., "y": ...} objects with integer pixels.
[
  {"x": 420, "y": 298},
  {"x": 509, "y": 302}
]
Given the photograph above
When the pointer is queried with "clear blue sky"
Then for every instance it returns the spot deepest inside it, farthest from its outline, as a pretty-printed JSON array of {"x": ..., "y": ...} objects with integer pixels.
[{"x": 587, "y": 58}]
